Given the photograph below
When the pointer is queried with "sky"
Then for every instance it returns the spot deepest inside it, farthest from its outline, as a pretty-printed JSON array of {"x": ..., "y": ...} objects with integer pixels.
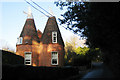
[{"x": 12, "y": 19}]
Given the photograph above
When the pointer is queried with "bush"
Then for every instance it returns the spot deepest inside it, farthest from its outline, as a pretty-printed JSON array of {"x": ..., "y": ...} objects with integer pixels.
[
  {"x": 42, "y": 73},
  {"x": 11, "y": 58},
  {"x": 81, "y": 60}
]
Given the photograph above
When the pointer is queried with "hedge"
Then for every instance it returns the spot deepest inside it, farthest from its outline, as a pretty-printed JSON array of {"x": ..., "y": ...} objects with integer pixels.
[
  {"x": 11, "y": 58},
  {"x": 22, "y": 72}
]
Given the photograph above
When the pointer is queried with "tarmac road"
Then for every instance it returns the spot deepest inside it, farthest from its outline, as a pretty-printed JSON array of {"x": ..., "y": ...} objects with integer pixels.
[{"x": 100, "y": 70}]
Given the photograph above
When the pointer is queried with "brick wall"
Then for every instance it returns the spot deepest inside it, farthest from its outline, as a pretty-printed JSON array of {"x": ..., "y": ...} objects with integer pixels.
[
  {"x": 45, "y": 54},
  {"x": 41, "y": 53},
  {"x": 21, "y": 49}
]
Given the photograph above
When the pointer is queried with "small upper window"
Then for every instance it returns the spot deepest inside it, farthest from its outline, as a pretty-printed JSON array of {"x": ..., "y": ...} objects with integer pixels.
[
  {"x": 19, "y": 40},
  {"x": 54, "y": 37}
]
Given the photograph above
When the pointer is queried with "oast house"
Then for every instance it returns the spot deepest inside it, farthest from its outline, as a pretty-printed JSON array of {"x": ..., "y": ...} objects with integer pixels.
[{"x": 41, "y": 49}]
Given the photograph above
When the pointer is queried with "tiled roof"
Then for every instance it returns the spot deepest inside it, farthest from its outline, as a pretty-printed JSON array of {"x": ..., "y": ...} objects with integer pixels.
[
  {"x": 29, "y": 32},
  {"x": 47, "y": 34}
]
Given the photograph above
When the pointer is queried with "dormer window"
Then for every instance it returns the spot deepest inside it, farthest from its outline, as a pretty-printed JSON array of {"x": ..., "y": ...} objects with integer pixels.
[
  {"x": 54, "y": 37},
  {"x": 19, "y": 40}
]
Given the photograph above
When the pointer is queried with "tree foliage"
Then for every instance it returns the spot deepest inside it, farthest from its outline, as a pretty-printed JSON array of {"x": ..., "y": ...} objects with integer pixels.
[
  {"x": 80, "y": 56},
  {"x": 81, "y": 51},
  {"x": 75, "y": 17},
  {"x": 96, "y": 21},
  {"x": 99, "y": 23},
  {"x": 94, "y": 54}
]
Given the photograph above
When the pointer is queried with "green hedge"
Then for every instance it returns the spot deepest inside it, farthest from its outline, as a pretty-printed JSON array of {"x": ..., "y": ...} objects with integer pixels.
[
  {"x": 22, "y": 72},
  {"x": 81, "y": 60},
  {"x": 11, "y": 58}
]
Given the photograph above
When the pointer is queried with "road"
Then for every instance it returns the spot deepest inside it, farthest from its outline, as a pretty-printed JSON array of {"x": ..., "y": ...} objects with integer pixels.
[{"x": 99, "y": 71}]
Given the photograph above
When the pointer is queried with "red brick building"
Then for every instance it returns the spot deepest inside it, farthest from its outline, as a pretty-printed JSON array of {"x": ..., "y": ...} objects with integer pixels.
[{"x": 41, "y": 49}]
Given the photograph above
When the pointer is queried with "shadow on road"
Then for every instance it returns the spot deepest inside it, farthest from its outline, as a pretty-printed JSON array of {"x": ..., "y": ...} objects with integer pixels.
[{"x": 99, "y": 70}]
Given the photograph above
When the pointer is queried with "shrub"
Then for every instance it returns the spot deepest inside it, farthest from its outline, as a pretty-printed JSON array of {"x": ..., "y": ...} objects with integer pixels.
[
  {"x": 11, "y": 58},
  {"x": 42, "y": 73},
  {"x": 81, "y": 60}
]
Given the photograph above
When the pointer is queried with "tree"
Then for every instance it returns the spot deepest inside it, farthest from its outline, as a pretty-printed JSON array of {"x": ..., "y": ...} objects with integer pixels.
[
  {"x": 70, "y": 47},
  {"x": 4, "y": 45},
  {"x": 75, "y": 17},
  {"x": 81, "y": 50},
  {"x": 74, "y": 52},
  {"x": 98, "y": 22},
  {"x": 94, "y": 54}
]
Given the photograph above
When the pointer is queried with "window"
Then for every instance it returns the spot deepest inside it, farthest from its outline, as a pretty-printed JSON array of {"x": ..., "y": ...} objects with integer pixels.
[
  {"x": 54, "y": 58},
  {"x": 28, "y": 58},
  {"x": 54, "y": 37},
  {"x": 19, "y": 40}
]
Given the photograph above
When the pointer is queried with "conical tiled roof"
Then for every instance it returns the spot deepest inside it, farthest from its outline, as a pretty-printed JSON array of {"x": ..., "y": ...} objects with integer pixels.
[
  {"x": 29, "y": 32},
  {"x": 49, "y": 28}
]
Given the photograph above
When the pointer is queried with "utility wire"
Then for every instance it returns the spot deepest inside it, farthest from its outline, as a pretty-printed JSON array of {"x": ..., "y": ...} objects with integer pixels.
[
  {"x": 41, "y": 11},
  {"x": 36, "y": 8},
  {"x": 41, "y": 8}
]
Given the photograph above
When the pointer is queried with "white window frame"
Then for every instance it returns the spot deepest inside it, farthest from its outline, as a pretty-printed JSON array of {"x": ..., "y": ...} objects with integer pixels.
[
  {"x": 30, "y": 59},
  {"x": 55, "y": 57},
  {"x": 54, "y": 32},
  {"x": 19, "y": 40}
]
